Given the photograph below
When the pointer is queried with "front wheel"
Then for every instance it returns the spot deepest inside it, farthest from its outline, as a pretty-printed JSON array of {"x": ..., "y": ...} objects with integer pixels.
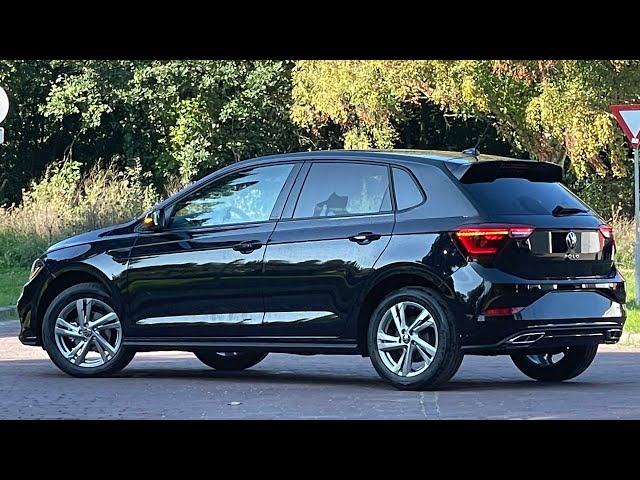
[
  {"x": 82, "y": 332},
  {"x": 557, "y": 365},
  {"x": 230, "y": 361},
  {"x": 412, "y": 340}
]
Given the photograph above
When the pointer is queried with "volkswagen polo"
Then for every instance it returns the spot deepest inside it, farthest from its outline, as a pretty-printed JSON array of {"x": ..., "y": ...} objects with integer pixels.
[{"x": 411, "y": 258}]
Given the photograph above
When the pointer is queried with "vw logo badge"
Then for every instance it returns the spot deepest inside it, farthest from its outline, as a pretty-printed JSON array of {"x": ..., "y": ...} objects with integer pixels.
[{"x": 572, "y": 240}]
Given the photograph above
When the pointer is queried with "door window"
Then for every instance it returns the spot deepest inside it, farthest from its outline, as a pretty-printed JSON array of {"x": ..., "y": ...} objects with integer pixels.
[
  {"x": 241, "y": 197},
  {"x": 342, "y": 189}
]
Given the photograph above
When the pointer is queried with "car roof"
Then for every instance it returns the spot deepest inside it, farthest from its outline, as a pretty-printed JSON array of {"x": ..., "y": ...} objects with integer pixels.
[
  {"x": 422, "y": 156},
  {"x": 396, "y": 155}
]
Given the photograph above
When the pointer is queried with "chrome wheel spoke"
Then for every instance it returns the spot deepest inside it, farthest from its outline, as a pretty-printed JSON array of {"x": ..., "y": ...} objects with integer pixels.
[
  {"x": 407, "y": 361},
  {"x": 101, "y": 351},
  {"x": 388, "y": 342},
  {"x": 87, "y": 312},
  {"x": 423, "y": 321},
  {"x": 67, "y": 330},
  {"x": 104, "y": 321},
  {"x": 72, "y": 353},
  {"x": 425, "y": 356},
  {"x": 396, "y": 319},
  {"x": 398, "y": 366},
  {"x": 82, "y": 354},
  {"x": 430, "y": 349},
  {"x": 106, "y": 345},
  {"x": 82, "y": 319},
  {"x": 402, "y": 312},
  {"x": 69, "y": 333}
]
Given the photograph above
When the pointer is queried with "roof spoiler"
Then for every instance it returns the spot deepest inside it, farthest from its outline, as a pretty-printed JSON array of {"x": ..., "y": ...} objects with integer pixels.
[{"x": 488, "y": 171}]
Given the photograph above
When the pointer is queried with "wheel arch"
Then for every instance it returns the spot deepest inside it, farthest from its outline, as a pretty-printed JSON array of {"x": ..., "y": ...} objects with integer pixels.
[
  {"x": 64, "y": 279},
  {"x": 387, "y": 281}
]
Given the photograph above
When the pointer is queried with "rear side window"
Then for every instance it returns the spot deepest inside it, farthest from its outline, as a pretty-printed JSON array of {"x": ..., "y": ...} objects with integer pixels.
[
  {"x": 408, "y": 194},
  {"x": 505, "y": 196},
  {"x": 342, "y": 189}
]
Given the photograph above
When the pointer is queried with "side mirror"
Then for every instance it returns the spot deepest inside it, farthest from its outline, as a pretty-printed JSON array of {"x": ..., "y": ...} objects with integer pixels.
[{"x": 154, "y": 221}]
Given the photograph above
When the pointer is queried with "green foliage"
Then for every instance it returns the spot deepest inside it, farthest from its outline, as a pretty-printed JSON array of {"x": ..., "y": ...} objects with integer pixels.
[
  {"x": 65, "y": 202},
  {"x": 610, "y": 196},
  {"x": 11, "y": 281},
  {"x": 552, "y": 109},
  {"x": 625, "y": 237},
  {"x": 178, "y": 118}
]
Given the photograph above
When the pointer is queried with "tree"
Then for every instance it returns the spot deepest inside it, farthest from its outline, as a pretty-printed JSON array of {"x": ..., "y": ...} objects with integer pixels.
[
  {"x": 552, "y": 109},
  {"x": 176, "y": 118},
  {"x": 195, "y": 115}
]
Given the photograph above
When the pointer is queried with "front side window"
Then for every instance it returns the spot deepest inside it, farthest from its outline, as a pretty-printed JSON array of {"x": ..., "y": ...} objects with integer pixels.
[
  {"x": 342, "y": 189},
  {"x": 241, "y": 197}
]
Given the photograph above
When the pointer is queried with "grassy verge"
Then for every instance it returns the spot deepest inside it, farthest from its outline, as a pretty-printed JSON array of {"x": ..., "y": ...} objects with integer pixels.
[
  {"x": 633, "y": 313},
  {"x": 11, "y": 282}
]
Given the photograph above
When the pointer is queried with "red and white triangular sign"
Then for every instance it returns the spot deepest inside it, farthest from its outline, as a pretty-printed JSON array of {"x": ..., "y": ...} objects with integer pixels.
[{"x": 628, "y": 117}]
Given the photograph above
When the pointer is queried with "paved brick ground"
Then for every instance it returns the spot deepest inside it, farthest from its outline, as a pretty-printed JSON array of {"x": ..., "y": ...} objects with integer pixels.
[{"x": 177, "y": 386}]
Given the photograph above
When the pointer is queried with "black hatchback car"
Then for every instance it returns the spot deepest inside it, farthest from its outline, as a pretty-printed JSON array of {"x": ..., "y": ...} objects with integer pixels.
[{"x": 413, "y": 258}]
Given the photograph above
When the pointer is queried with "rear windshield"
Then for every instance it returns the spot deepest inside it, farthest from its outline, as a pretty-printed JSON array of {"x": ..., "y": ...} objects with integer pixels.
[{"x": 505, "y": 196}]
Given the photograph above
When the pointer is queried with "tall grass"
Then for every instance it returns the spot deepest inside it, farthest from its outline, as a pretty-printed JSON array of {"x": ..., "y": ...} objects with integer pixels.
[
  {"x": 624, "y": 235},
  {"x": 66, "y": 202}
]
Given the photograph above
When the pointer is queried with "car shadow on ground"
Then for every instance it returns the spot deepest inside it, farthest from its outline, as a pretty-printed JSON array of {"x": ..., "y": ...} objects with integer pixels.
[{"x": 44, "y": 368}]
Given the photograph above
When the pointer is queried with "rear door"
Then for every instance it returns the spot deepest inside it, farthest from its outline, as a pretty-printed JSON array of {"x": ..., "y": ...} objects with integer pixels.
[
  {"x": 569, "y": 239},
  {"x": 337, "y": 222}
]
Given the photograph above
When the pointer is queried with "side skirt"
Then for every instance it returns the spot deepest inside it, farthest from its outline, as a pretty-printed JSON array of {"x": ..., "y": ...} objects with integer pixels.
[{"x": 283, "y": 346}]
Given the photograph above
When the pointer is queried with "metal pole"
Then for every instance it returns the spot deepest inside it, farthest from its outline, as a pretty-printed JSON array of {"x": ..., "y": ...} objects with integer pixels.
[{"x": 636, "y": 186}]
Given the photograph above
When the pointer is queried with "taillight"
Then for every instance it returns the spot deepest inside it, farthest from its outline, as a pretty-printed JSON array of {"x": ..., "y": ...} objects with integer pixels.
[
  {"x": 501, "y": 311},
  {"x": 487, "y": 241},
  {"x": 607, "y": 234}
]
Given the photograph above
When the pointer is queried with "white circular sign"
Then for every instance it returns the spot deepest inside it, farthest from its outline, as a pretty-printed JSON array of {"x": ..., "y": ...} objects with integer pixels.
[{"x": 4, "y": 104}]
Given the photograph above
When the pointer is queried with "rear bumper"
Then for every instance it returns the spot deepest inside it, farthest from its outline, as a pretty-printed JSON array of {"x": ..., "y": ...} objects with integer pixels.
[
  {"x": 554, "y": 313},
  {"x": 541, "y": 338}
]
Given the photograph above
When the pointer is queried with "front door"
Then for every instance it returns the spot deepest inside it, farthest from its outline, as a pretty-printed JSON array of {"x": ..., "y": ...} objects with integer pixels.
[
  {"x": 202, "y": 275},
  {"x": 318, "y": 260}
]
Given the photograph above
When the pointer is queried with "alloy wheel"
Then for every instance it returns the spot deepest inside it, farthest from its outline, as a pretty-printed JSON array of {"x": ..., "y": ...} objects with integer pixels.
[
  {"x": 407, "y": 339},
  {"x": 88, "y": 333},
  {"x": 547, "y": 359}
]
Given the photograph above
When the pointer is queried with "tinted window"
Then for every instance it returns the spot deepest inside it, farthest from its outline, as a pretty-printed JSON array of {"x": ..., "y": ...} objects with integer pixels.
[
  {"x": 247, "y": 196},
  {"x": 408, "y": 194},
  {"x": 336, "y": 189},
  {"x": 518, "y": 195}
]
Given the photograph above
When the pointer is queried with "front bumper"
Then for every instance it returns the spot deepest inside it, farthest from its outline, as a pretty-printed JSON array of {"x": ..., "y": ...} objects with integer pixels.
[{"x": 27, "y": 305}]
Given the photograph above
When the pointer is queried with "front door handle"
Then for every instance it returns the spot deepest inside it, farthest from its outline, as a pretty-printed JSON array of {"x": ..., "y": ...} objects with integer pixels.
[
  {"x": 364, "y": 238},
  {"x": 247, "y": 246}
]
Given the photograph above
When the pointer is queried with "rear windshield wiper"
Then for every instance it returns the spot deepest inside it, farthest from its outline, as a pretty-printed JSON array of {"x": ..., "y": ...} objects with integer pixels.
[{"x": 560, "y": 210}]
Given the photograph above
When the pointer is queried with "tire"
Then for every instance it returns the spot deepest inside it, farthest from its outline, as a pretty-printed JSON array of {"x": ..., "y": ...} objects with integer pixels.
[
  {"x": 231, "y": 361},
  {"x": 442, "y": 337},
  {"x": 575, "y": 361},
  {"x": 101, "y": 306}
]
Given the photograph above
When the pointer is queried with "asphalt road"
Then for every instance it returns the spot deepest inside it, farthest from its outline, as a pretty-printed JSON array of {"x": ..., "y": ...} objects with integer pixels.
[{"x": 176, "y": 385}]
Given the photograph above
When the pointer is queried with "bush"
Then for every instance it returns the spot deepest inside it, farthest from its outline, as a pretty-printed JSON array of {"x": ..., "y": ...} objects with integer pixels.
[
  {"x": 625, "y": 237},
  {"x": 65, "y": 202}
]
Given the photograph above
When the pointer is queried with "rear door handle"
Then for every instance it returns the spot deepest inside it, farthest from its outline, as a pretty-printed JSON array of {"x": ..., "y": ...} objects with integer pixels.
[
  {"x": 364, "y": 238},
  {"x": 247, "y": 246}
]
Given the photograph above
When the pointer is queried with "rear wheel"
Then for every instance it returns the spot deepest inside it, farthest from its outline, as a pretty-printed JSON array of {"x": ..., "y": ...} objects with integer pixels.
[
  {"x": 82, "y": 333},
  {"x": 230, "y": 361},
  {"x": 412, "y": 340},
  {"x": 557, "y": 365}
]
